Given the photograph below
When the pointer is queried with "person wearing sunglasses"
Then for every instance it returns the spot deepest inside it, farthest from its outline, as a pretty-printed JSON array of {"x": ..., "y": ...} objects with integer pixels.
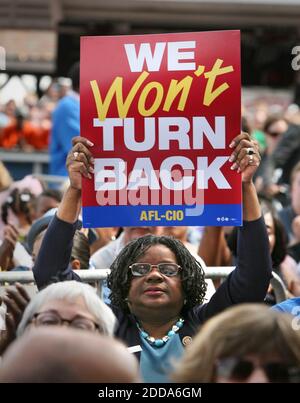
[
  {"x": 250, "y": 369},
  {"x": 266, "y": 177},
  {"x": 157, "y": 286},
  {"x": 248, "y": 343}
]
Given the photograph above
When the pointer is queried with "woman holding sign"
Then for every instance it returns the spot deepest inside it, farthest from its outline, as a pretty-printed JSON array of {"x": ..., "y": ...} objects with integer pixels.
[{"x": 157, "y": 287}]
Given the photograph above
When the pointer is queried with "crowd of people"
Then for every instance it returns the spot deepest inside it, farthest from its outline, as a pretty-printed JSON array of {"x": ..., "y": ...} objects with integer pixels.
[
  {"x": 159, "y": 319},
  {"x": 27, "y": 127}
]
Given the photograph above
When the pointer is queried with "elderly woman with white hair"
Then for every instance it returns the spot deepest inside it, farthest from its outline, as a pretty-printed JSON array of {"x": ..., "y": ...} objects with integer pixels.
[{"x": 65, "y": 303}]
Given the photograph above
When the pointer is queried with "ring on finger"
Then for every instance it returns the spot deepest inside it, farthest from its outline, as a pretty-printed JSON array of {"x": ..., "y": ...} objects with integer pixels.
[{"x": 250, "y": 151}]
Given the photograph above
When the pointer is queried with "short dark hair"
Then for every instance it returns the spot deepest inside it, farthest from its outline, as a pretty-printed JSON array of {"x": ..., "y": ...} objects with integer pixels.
[
  {"x": 81, "y": 250},
  {"x": 192, "y": 274}
]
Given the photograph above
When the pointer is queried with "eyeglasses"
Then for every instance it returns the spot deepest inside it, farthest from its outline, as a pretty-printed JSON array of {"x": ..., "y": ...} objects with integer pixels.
[
  {"x": 240, "y": 369},
  {"x": 53, "y": 319},
  {"x": 166, "y": 269}
]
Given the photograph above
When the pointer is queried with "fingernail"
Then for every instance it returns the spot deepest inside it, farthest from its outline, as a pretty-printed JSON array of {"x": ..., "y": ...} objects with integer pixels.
[
  {"x": 239, "y": 170},
  {"x": 233, "y": 167},
  {"x": 92, "y": 161},
  {"x": 91, "y": 169},
  {"x": 232, "y": 158},
  {"x": 90, "y": 143},
  {"x": 89, "y": 176},
  {"x": 232, "y": 144}
]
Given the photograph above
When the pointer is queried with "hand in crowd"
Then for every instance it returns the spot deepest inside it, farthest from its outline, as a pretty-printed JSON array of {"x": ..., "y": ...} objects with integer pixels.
[
  {"x": 8, "y": 246},
  {"x": 245, "y": 156},
  {"x": 16, "y": 300},
  {"x": 80, "y": 161}
]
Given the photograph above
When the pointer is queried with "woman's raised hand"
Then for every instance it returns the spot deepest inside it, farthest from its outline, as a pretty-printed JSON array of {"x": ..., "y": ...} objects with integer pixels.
[
  {"x": 80, "y": 161},
  {"x": 245, "y": 156}
]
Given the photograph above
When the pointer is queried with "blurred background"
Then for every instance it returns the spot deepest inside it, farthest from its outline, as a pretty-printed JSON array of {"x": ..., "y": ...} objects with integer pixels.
[{"x": 41, "y": 39}]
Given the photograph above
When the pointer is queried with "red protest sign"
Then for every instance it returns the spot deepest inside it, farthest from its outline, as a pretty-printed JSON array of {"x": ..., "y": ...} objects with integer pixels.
[{"x": 161, "y": 111}]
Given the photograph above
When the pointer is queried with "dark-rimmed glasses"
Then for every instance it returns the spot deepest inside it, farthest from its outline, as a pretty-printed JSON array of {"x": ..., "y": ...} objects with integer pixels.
[
  {"x": 166, "y": 269},
  {"x": 53, "y": 319}
]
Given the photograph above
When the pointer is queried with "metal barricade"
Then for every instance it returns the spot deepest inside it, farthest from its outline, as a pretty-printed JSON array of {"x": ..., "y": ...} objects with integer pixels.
[
  {"x": 35, "y": 159},
  {"x": 97, "y": 277}
]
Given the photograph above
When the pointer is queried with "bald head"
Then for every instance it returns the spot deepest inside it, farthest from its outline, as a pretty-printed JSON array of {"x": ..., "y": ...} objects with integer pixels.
[{"x": 58, "y": 354}]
